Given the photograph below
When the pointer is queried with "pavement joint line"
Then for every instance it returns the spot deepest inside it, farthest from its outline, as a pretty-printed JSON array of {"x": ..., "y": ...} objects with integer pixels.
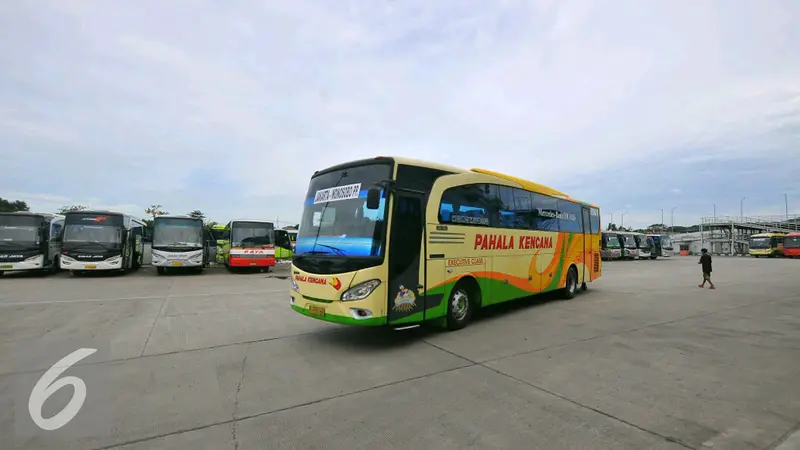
[
  {"x": 786, "y": 437},
  {"x": 149, "y": 297},
  {"x": 643, "y": 327},
  {"x": 280, "y": 410},
  {"x": 236, "y": 403},
  {"x": 596, "y": 410},
  {"x": 175, "y": 352},
  {"x": 155, "y": 321}
]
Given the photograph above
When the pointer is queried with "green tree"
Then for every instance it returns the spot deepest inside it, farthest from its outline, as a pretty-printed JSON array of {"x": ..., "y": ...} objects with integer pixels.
[
  {"x": 13, "y": 206},
  {"x": 72, "y": 208},
  {"x": 197, "y": 214},
  {"x": 155, "y": 211},
  {"x": 612, "y": 227}
]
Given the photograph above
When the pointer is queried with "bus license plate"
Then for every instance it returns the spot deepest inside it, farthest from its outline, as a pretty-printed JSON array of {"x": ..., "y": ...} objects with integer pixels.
[
  {"x": 177, "y": 264},
  {"x": 6, "y": 266},
  {"x": 90, "y": 267},
  {"x": 316, "y": 310},
  {"x": 253, "y": 264}
]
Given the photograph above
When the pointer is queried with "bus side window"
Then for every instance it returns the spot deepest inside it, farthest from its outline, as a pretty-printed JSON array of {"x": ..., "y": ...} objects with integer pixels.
[
  {"x": 570, "y": 217},
  {"x": 55, "y": 233},
  {"x": 466, "y": 205},
  {"x": 543, "y": 208},
  {"x": 594, "y": 222},
  {"x": 523, "y": 209}
]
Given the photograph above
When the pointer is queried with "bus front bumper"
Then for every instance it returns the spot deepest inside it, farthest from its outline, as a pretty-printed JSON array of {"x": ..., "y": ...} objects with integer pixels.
[
  {"x": 185, "y": 259},
  {"x": 235, "y": 261},
  {"x": 32, "y": 263},
  {"x": 68, "y": 263}
]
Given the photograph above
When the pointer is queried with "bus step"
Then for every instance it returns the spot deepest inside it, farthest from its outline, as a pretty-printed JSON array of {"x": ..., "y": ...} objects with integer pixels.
[{"x": 409, "y": 327}]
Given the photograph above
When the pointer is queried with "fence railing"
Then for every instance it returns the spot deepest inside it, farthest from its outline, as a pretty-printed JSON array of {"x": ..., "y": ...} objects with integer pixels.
[{"x": 792, "y": 222}]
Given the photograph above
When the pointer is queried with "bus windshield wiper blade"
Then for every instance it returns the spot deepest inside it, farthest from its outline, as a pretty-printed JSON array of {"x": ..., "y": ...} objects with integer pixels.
[{"x": 335, "y": 249}]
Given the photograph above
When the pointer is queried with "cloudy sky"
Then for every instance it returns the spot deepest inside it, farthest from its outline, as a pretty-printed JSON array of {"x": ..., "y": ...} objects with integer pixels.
[{"x": 229, "y": 107}]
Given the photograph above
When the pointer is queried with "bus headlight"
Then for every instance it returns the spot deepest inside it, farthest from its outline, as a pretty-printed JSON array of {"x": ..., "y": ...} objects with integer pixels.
[
  {"x": 360, "y": 291},
  {"x": 295, "y": 286},
  {"x": 38, "y": 259},
  {"x": 114, "y": 259}
]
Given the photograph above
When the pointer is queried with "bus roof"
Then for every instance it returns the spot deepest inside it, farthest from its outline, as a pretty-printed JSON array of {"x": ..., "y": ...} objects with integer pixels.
[
  {"x": 526, "y": 184},
  {"x": 31, "y": 213},
  {"x": 178, "y": 216},
  {"x": 763, "y": 235},
  {"x": 793, "y": 234}
]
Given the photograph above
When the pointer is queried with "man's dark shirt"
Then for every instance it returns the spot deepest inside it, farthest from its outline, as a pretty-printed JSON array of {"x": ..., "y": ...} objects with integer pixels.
[{"x": 705, "y": 260}]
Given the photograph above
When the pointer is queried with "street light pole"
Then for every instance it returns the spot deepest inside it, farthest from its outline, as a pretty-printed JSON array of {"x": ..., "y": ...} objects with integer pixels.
[
  {"x": 786, "y": 202},
  {"x": 741, "y": 209},
  {"x": 715, "y": 212},
  {"x": 672, "y": 219},
  {"x": 622, "y": 220}
]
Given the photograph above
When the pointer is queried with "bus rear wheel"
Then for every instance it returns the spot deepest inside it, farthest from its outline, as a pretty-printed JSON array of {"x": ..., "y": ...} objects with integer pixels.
[
  {"x": 571, "y": 285},
  {"x": 460, "y": 305}
]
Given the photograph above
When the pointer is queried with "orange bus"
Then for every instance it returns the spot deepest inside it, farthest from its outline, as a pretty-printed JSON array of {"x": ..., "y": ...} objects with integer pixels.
[{"x": 791, "y": 245}]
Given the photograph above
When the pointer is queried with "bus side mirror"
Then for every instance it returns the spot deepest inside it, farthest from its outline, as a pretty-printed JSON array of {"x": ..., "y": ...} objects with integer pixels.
[{"x": 373, "y": 198}]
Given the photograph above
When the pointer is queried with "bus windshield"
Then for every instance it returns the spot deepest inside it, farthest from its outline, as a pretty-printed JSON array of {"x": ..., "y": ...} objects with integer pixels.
[
  {"x": 791, "y": 242},
  {"x": 759, "y": 243},
  {"x": 177, "y": 232},
  {"x": 96, "y": 228},
  {"x": 18, "y": 231},
  {"x": 666, "y": 242},
  {"x": 252, "y": 234},
  {"x": 630, "y": 241},
  {"x": 612, "y": 242},
  {"x": 336, "y": 221}
]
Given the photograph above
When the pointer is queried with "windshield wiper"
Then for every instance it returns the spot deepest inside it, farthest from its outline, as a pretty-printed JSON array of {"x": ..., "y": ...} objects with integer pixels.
[
  {"x": 17, "y": 244},
  {"x": 81, "y": 245},
  {"x": 338, "y": 251}
]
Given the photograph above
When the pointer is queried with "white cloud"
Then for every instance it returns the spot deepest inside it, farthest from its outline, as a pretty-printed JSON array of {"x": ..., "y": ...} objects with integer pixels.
[{"x": 267, "y": 92}]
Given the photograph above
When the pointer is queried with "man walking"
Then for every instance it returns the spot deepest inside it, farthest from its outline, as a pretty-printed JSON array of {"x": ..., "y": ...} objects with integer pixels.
[{"x": 705, "y": 260}]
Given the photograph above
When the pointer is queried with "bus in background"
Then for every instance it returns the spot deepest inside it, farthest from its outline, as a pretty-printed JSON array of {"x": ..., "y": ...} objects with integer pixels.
[
  {"x": 30, "y": 241},
  {"x": 101, "y": 240},
  {"x": 610, "y": 247},
  {"x": 791, "y": 245},
  {"x": 251, "y": 244},
  {"x": 766, "y": 244},
  {"x": 180, "y": 242},
  {"x": 218, "y": 235},
  {"x": 285, "y": 253},
  {"x": 645, "y": 245},
  {"x": 394, "y": 241},
  {"x": 630, "y": 249},
  {"x": 662, "y": 244}
]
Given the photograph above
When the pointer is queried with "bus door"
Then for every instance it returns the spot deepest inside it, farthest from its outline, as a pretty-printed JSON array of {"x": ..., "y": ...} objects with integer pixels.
[
  {"x": 587, "y": 254},
  {"x": 406, "y": 265}
]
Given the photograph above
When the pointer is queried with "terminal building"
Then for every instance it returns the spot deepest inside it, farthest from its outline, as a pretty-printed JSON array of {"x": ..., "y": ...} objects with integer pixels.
[{"x": 728, "y": 235}]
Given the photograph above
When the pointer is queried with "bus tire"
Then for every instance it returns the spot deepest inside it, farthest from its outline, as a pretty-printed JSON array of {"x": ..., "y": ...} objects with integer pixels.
[
  {"x": 461, "y": 303},
  {"x": 160, "y": 270},
  {"x": 571, "y": 283}
]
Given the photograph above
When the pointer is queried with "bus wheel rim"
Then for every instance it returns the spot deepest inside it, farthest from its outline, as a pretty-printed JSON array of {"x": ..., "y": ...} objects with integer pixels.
[
  {"x": 572, "y": 281},
  {"x": 460, "y": 304}
]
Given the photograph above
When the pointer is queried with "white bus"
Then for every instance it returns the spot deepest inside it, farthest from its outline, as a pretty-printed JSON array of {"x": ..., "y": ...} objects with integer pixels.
[
  {"x": 180, "y": 242},
  {"x": 30, "y": 241},
  {"x": 101, "y": 240}
]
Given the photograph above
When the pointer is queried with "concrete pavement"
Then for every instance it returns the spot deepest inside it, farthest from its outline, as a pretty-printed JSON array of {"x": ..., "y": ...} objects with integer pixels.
[{"x": 644, "y": 359}]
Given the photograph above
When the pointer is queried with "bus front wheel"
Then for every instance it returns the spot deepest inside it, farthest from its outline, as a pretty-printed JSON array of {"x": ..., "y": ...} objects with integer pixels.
[
  {"x": 571, "y": 286},
  {"x": 460, "y": 304}
]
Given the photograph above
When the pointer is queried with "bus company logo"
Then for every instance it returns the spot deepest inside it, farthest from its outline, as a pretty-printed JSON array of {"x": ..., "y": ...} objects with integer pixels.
[
  {"x": 11, "y": 256},
  {"x": 253, "y": 252},
  {"x": 97, "y": 219},
  {"x": 312, "y": 280},
  {"x": 405, "y": 300},
  {"x": 336, "y": 283},
  {"x": 504, "y": 242}
]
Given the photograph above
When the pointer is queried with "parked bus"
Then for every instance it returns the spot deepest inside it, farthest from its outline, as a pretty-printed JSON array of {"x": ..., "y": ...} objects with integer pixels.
[
  {"x": 662, "y": 244},
  {"x": 251, "y": 244},
  {"x": 180, "y": 242},
  {"x": 285, "y": 253},
  {"x": 610, "y": 247},
  {"x": 394, "y": 241},
  {"x": 101, "y": 240},
  {"x": 218, "y": 235},
  {"x": 645, "y": 245},
  {"x": 766, "y": 244},
  {"x": 30, "y": 241},
  {"x": 630, "y": 248},
  {"x": 791, "y": 245}
]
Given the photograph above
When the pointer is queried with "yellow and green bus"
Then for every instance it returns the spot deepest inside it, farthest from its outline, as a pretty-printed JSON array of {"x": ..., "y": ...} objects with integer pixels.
[
  {"x": 394, "y": 241},
  {"x": 766, "y": 244}
]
